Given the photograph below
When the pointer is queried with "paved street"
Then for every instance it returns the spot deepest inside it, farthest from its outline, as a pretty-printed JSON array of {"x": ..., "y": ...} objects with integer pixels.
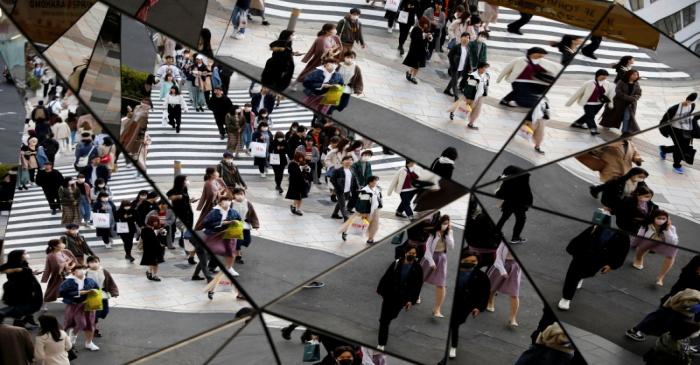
[{"x": 11, "y": 120}]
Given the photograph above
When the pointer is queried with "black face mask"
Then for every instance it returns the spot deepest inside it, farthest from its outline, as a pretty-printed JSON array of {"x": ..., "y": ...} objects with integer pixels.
[
  {"x": 467, "y": 265},
  {"x": 345, "y": 362},
  {"x": 410, "y": 258}
]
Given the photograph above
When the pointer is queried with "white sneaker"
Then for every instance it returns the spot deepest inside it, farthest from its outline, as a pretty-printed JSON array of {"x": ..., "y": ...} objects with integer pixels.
[
  {"x": 239, "y": 36},
  {"x": 580, "y": 284},
  {"x": 108, "y": 245},
  {"x": 233, "y": 272},
  {"x": 453, "y": 353},
  {"x": 564, "y": 304},
  {"x": 91, "y": 346},
  {"x": 380, "y": 348},
  {"x": 262, "y": 174},
  {"x": 390, "y": 30}
]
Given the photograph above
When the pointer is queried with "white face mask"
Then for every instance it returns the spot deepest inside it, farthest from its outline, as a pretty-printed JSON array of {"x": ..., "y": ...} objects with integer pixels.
[
  {"x": 348, "y": 61},
  {"x": 225, "y": 204},
  {"x": 81, "y": 180},
  {"x": 101, "y": 186},
  {"x": 365, "y": 159},
  {"x": 445, "y": 226},
  {"x": 280, "y": 139},
  {"x": 264, "y": 129},
  {"x": 330, "y": 67},
  {"x": 187, "y": 183},
  {"x": 411, "y": 169},
  {"x": 354, "y": 17},
  {"x": 482, "y": 39},
  {"x": 535, "y": 61},
  {"x": 105, "y": 199}
]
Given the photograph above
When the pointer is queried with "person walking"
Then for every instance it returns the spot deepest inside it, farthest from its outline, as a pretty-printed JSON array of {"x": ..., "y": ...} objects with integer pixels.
[
  {"x": 617, "y": 158},
  {"x": 617, "y": 189},
  {"x": 16, "y": 345},
  {"x": 515, "y": 26},
  {"x": 104, "y": 205},
  {"x": 264, "y": 136},
  {"x": 319, "y": 82},
  {"x": 444, "y": 165},
  {"x": 621, "y": 67},
  {"x": 478, "y": 50},
  {"x": 279, "y": 68},
  {"x": 650, "y": 237},
  {"x": 299, "y": 182},
  {"x": 352, "y": 77},
  {"x": 58, "y": 262},
  {"x": 182, "y": 207},
  {"x": 593, "y": 95},
  {"x": 312, "y": 155},
  {"x": 624, "y": 110},
  {"x": 229, "y": 172},
  {"x": 551, "y": 347},
  {"x": 530, "y": 77},
  {"x": 326, "y": 45},
  {"x": 175, "y": 106},
  {"x": 214, "y": 188},
  {"x": 76, "y": 243},
  {"x": 22, "y": 293},
  {"x": 517, "y": 198},
  {"x": 434, "y": 262},
  {"x": 52, "y": 343},
  {"x": 636, "y": 210},
  {"x": 402, "y": 183},
  {"x": 410, "y": 7},
  {"x": 567, "y": 46},
  {"x": 220, "y": 105},
  {"x": 202, "y": 83},
  {"x": 460, "y": 66},
  {"x": 167, "y": 222},
  {"x": 505, "y": 278},
  {"x": 106, "y": 284},
  {"x": 458, "y": 26},
  {"x": 166, "y": 84},
  {"x": 125, "y": 218},
  {"x": 437, "y": 20},
  {"x": 50, "y": 181},
  {"x": 367, "y": 207},
  {"x": 682, "y": 130},
  {"x": 473, "y": 90},
  {"x": 350, "y": 30},
  {"x": 250, "y": 219},
  {"x": 471, "y": 296},
  {"x": 597, "y": 249},
  {"x": 74, "y": 290},
  {"x": 233, "y": 124},
  {"x": 345, "y": 184},
  {"x": 418, "y": 49},
  {"x": 278, "y": 147},
  {"x": 215, "y": 223},
  {"x": 399, "y": 288},
  {"x": 535, "y": 121},
  {"x": 29, "y": 158},
  {"x": 239, "y": 18},
  {"x": 153, "y": 247}
]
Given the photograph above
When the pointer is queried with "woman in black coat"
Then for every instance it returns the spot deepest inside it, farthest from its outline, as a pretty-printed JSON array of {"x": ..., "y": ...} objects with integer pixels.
[
  {"x": 418, "y": 50},
  {"x": 623, "y": 114},
  {"x": 22, "y": 292},
  {"x": 127, "y": 214},
  {"x": 153, "y": 249},
  {"x": 471, "y": 296},
  {"x": 279, "y": 68},
  {"x": 410, "y": 7},
  {"x": 444, "y": 165},
  {"x": 400, "y": 289},
  {"x": 635, "y": 210},
  {"x": 279, "y": 146},
  {"x": 299, "y": 182},
  {"x": 517, "y": 197},
  {"x": 615, "y": 190}
]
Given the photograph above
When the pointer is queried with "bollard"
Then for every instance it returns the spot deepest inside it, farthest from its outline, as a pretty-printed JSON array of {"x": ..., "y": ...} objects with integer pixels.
[
  {"x": 177, "y": 167},
  {"x": 293, "y": 19}
]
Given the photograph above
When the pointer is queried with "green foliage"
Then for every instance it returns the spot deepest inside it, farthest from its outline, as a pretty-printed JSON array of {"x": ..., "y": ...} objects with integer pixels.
[
  {"x": 33, "y": 83},
  {"x": 132, "y": 82}
]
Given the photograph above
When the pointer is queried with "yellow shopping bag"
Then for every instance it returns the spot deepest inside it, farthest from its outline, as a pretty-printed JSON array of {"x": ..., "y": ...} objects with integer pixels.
[
  {"x": 93, "y": 301},
  {"x": 233, "y": 231},
  {"x": 332, "y": 96}
]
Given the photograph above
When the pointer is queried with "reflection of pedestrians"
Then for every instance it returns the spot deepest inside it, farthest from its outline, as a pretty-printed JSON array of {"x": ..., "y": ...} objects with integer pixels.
[
  {"x": 681, "y": 132},
  {"x": 515, "y": 26}
]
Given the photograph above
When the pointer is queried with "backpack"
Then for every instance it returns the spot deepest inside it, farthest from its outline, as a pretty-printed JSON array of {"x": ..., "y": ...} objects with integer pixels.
[{"x": 40, "y": 113}]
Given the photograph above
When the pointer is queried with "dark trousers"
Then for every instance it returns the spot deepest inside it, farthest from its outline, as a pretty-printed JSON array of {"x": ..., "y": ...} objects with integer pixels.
[
  {"x": 593, "y": 46},
  {"x": 128, "y": 239},
  {"x": 391, "y": 20},
  {"x": 453, "y": 85},
  {"x": 588, "y": 117},
  {"x": 341, "y": 204},
  {"x": 525, "y": 94},
  {"x": 516, "y": 25},
  {"x": 46, "y": 89},
  {"x": 519, "y": 220},
  {"x": 279, "y": 174},
  {"x": 454, "y": 333},
  {"x": 405, "y": 205},
  {"x": 658, "y": 322},
  {"x": 390, "y": 310},
  {"x": 344, "y": 101},
  {"x": 52, "y": 197},
  {"x": 32, "y": 174},
  {"x": 681, "y": 144},
  {"x": 578, "y": 269},
  {"x": 220, "y": 124},
  {"x": 202, "y": 264},
  {"x": 403, "y": 34},
  {"x": 175, "y": 116}
]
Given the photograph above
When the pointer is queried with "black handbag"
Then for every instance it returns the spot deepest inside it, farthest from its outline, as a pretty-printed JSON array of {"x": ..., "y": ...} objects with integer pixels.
[
  {"x": 604, "y": 99},
  {"x": 72, "y": 354},
  {"x": 689, "y": 155}
]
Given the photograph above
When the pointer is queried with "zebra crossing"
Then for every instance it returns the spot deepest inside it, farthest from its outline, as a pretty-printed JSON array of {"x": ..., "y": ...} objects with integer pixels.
[
  {"x": 198, "y": 145},
  {"x": 539, "y": 32},
  {"x": 31, "y": 224}
]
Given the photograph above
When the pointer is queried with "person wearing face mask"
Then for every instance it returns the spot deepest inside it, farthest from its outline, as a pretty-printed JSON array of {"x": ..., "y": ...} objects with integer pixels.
[
  {"x": 95, "y": 170},
  {"x": 278, "y": 146},
  {"x": 517, "y": 198},
  {"x": 326, "y": 45},
  {"x": 614, "y": 159},
  {"x": 229, "y": 173},
  {"x": 218, "y": 219},
  {"x": 103, "y": 204},
  {"x": 434, "y": 262},
  {"x": 299, "y": 182},
  {"x": 76, "y": 243},
  {"x": 352, "y": 76},
  {"x": 262, "y": 135},
  {"x": 471, "y": 296},
  {"x": 50, "y": 181},
  {"x": 263, "y": 116},
  {"x": 167, "y": 222},
  {"x": 214, "y": 188},
  {"x": 126, "y": 214},
  {"x": 250, "y": 220},
  {"x": 248, "y": 126},
  {"x": 345, "y": 185},
  {"x": 530, "y": 76},
  {"x": 262, "y": 100},
  {"x": 74, "y": 291},
  {"x": 617, "y": 189},
  {"x": 459, "y": 68},
  {"x": 478, "y": 49},
  {"x": 69, "y": 196},
  {"x": 624, "y": 110},
  {"x": 636, "y": 210},
  {"x": 505, "y": 278},
  {"x": 146, "y": 206},
  {"x": 176, "y": 104},
  {"x": 350, "y": 30},
  {"x": 312, "y": 156},
  {"x": 399, "y": 288},
  {"x": 417, "y": 55},
  {"x": 319, "y": 81},
  {"x": 592, "y": 95},
  {"x": 597, "y": 249},
  {"x": 552, "y": 347},
  {"x": 220, "y": 104},
  {"x": 21, "y": 292},
  {"x": 458, "y": 25},
  {"x": 437, "y": 20},
  {"x": 402, "y": 183},
  {"x": 363, "y": 168},
  {"x": 58, "y": 262},
  {"x": 234, "y": 122},
  {"x": 681, "y": 131},
  {"x": 100, "y": 186},
  {"x": 153, "y": 247},
  {"x": 202, "y": 83},
  {"x": 369, "y": 201},
  {"x": 343, "y": 355},
  {"x": 106, "y": 283},
  {"x": 650, "y": 237}
]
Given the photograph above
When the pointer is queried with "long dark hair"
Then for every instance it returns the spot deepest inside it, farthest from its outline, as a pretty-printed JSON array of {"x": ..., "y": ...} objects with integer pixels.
[
  {"x": 566, "y": 41},
  {"x": 624, "y": 60},
  {"x": 15, "y": 259},
  {"x": 628, "y": 74},
  {"x": 208, "y": 173},
  {"x": 179, "y": 183},
  {"x": 437, "y": 229},
  {"x": 52, "y": 245},
  {"x": 660, "y": 213},
  {"x": 325, "y": 29},
  {"x": 49, "y": 324}
]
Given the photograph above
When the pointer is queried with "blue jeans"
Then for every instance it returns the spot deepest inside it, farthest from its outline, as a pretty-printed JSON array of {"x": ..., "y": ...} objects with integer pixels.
[
  {"x": 85, "y": 211},
  {"x": 247, "y": 135},
  {"x": 405, "y": 205},
  {"x": 626, "y": 120},
  {"x": 236, "y": 18}
]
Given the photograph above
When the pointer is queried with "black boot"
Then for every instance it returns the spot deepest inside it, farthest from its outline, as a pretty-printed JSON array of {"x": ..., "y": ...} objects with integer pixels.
[{"x": 30, "y": 319}]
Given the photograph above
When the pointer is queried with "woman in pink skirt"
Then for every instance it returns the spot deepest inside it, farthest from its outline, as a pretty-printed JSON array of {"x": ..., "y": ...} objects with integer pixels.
[
  {"x": 434, "y": 262},
  {"x": 319, "y": 81},
  {"x": 74, "y": 292},
  {"x": 650, "y": 237},
  {"x": 505, "y": 279}
]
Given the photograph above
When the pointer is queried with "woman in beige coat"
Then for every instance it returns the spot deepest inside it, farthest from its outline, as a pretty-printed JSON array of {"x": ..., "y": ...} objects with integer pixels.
[
  {"x": 618, "y": 157},
  {"x": 52, "y": 344}
]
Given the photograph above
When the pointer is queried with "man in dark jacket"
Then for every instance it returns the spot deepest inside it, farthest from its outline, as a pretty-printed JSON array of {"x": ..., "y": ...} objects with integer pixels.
[
  {"x": 295, "y": 140},
  {"x": 146, "y": 207},
  {"x": 517, "y": 198},
  {"x": 50, "y": 180},
  {"x": 682, "y": 131},
  {"x": 460, "y": 66},
  {"x": 471, "y": 296},
  {"x": 228, "y": 171},
  {"x": 220, "y": 104},
  {"x": 598, "y": 248},
  {"x": 400, "y": 289},
  {"x": 350, "y": 30},
  {"x": 76, "y": 243},
  {"x": 344, "y": 182},
  {"x": 95, "y": 171},
  {"x": 51, "y": 147},
  {"x": 265, "y": 99}
]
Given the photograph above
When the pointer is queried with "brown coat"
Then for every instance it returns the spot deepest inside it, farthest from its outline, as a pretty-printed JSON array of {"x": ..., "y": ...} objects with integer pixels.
[
  {"x": 17, "y": 346},
  {"x": 252, "y": 217},
  {"x": 617, "y": 160},
  {"x": 54, "y": 269},
  {"x": 317, "y": 52},
  {"x": 612, "y": 118},
  {"x": 209, "y": 199},
  {"x": 134, "y": 130}
]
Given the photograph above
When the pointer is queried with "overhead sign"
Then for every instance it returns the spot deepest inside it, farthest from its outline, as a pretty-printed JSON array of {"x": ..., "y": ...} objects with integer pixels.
[{"x": 45, "y": 20}]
